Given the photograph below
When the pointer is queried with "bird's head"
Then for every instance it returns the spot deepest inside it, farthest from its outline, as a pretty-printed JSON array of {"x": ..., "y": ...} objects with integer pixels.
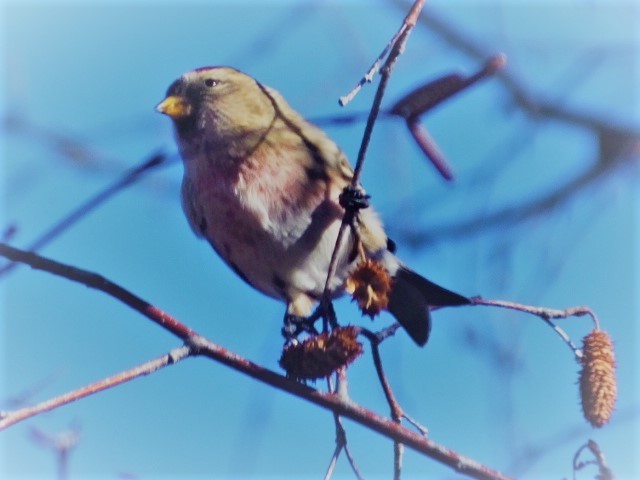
[{"x": 219, "y": 101}]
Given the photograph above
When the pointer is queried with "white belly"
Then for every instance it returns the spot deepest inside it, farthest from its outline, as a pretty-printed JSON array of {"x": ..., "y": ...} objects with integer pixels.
[{"x": 278, "y": 250}]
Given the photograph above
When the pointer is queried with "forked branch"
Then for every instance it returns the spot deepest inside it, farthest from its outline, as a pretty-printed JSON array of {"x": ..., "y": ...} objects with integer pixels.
[{"x": 199, "y": 345}]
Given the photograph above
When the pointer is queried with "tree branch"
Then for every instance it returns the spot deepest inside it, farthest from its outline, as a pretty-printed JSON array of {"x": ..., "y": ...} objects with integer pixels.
[
  {"x": 617, "y": 145},
  {"x": 546, "y": 314},
  {"x": 10, "y": 418},
  {"x": 199, "y": 345},
  {"x": 91, "y": 204},
  {"x": 98, "y": 282},
  {"x": 395, "y": 49}
]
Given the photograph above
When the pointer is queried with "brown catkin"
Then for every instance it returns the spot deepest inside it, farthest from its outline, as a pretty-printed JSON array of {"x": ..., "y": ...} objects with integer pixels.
[
  {"x": 321, "y": 355},
  {"x": 370, "y": 285},
  {"x": 598, "y": 389}
]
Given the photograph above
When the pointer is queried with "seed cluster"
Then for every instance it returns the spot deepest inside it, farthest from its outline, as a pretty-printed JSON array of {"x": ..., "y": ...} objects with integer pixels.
[
  {"x": 321, "y": 355},
  {"x": 370, "y": 285},
  {"x": 598, "y": 389}
]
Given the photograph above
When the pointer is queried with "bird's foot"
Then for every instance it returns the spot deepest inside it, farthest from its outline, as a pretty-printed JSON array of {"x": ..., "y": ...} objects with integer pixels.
[
  {"x": 328, "y": 314},
  {"x": 294, "y": 325}
]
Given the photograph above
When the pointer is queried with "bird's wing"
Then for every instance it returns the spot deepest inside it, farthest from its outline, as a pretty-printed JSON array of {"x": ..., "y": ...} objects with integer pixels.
[{"x": 330, "y": 162}]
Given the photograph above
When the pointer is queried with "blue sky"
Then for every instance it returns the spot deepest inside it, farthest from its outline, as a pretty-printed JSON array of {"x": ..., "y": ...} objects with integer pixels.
[{"x": 93, "y": 72}]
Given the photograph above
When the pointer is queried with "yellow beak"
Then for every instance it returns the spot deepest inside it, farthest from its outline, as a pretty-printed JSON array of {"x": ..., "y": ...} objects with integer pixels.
[{"x": 174, "y": 106}]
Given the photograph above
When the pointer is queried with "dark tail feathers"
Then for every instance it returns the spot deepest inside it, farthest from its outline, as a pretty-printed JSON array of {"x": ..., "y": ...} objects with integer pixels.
[{"x": 410, "y": 300}]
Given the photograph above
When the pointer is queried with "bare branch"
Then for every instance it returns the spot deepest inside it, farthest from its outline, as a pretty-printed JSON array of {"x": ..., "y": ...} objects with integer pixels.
[
  {"x": 546, "y": 314},
  {"x": 512, "y": 215},
  {"x": 10, "y": 418},
  {"x": 396, "y": 411},
  {"x": 24, "y": 397},
  {"x": 342, "y": 391},
  {"x": 62, "y": 444},
  {"x": 396, "y": 49},
  {"x": 604, "y": 472},
  {"x": 341, "y": 445},
  {"x": 617, "y": 145},
  {"x": 91, "y": 204},
  {"x": 408, "y": 23},
  {"x": 199, "y": 345},
  {"x": 334, "y": 460},
  {"x": 375, "y": 68},
  {"x": 398, "y": 450},
  {"x": 98, "y": 282}
]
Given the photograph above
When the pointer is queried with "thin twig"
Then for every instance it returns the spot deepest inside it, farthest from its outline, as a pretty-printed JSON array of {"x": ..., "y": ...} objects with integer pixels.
[
  {"x": 62, "y": 444},
  {"x": 396, "y": 49},
  {"x": 397, "y": 412},
  {"x": 604, "y": 472},
  {"x": 542, "y": 312},
  {"x": 398, "y": 450},
  {"x": 98, "y": 282},
  {"x": 91, "y": 204},
  {"x": 418, "y": 426},
  {"x": 341, "y": 437},
  {"x": 20, "y": 399},
  {"x": 412, "y": 106},
  {"x": 334, "y": 460},
  {"x": 351, "y": 410},
  {"x": 546, "y": 314},
  {"x": 352, "y": 462},
  {"x": 509, "y": 216},
  {"x": 375, "y": 68},
  {"x": 341, "y": 390},
  {"x": 203, "y": 347},
  {"x": 617, "y": 145},
  {"x": 394, "y": 406},
  {"x": 341, "y": 445},
  {"x": 408, "y": 23},
  {"x": 10, "y": 418},
  {"x": 387, "y": 332}
]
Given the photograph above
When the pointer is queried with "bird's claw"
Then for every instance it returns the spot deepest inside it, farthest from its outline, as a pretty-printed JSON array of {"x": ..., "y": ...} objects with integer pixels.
[{"x": 294, "y": 325}]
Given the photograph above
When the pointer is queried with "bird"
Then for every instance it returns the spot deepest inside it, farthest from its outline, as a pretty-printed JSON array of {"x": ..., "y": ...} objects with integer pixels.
[{"x": 262, "y": 186}]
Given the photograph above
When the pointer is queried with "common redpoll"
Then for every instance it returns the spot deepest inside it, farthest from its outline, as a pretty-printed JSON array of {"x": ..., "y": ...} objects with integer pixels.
[{"x": 262, "y": 185}]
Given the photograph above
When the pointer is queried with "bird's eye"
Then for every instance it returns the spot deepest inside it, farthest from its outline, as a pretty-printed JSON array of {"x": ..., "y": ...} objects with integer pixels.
[{"x": 210, "y": 82}]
